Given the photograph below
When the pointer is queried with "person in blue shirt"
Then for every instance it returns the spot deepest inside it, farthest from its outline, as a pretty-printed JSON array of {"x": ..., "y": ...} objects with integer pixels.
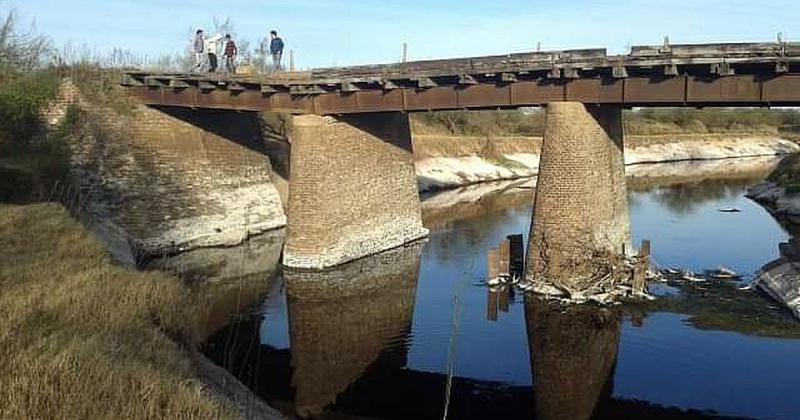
[{"x": 276, "y": 49}]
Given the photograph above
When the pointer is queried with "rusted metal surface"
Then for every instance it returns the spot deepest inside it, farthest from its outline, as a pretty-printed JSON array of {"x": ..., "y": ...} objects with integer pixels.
[{"x": 669, "y": 75}]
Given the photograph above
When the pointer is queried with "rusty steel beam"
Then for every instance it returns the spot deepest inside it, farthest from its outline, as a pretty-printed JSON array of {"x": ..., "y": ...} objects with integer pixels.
[{"x": 737, "y": 90}]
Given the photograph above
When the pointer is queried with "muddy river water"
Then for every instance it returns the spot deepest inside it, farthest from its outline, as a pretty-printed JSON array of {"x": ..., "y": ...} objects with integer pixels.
[{"x": 413, "y": 333}]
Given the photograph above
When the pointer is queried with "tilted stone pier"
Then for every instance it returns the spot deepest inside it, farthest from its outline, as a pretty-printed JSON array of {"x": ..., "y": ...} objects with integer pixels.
[
  {"x": 581, "y": 204},
  {"x": 353, "y": 189}
]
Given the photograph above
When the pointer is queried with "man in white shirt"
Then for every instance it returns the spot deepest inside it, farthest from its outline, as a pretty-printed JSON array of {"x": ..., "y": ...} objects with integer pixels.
[{"x": 212, "y": 46}]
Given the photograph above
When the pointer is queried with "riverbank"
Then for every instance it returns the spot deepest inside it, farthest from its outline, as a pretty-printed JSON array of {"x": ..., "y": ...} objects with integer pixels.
[
  {"x": 779, "y": 193},
  {"x": 442, "y": 208},
  {"x": 81, "y": 337},
  {"x": 444, "y": 162}
]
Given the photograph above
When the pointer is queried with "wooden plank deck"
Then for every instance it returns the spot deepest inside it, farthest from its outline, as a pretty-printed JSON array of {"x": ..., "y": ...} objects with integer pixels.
[{"x": 741, "y": 74}]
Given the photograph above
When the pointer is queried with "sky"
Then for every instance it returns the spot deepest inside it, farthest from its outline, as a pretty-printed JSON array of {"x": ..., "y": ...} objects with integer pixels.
[{"x": 346, "y": 32}]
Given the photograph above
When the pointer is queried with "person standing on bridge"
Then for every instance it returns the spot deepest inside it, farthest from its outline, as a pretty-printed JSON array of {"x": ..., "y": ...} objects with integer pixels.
[
  {"x": 212, "y": 48},
  {"x": 198, "y": 48},
  {"x": 230, "y": 53},
  {"x": 276, "y": 49}
]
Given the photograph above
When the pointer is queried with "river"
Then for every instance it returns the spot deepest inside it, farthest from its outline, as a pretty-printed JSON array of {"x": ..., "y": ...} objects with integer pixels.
[{"x": 413, "y": 333}]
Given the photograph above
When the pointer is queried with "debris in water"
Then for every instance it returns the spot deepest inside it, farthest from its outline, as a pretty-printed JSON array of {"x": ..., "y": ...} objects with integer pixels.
[
  {"x": 722, "y": 273},
  {"x": 689, "y": 276},
  {"x": 624, "y": 277},
  {"x": 671, "y": 271},
  {"x": 496, "y": 281}
]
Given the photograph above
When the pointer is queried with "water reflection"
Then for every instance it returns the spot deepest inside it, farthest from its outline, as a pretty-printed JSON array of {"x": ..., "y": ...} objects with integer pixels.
[
  {"x": 342, "y": 320},
  {"x": 685, "y": 198},
  {"x": 372, "y": 340},
  {"x": 573, "y": 354},
  {"x": 228, "y": 280}
]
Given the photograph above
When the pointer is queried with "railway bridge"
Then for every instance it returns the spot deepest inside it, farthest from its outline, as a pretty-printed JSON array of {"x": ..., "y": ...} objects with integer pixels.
[{"x": 353, "y": 189}]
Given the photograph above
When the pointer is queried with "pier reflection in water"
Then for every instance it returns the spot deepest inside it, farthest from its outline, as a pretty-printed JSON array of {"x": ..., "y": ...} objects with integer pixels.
[
  {"x": 373, "y": 339},
  {"x": 573, "y": 354},
  {"x": 347, "y": 320}
]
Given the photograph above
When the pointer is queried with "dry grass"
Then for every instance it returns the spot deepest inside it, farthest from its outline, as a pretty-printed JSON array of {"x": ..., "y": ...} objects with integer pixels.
[
  {"x": 645, "y": 122},
  {"x": 82, "y": 338}
]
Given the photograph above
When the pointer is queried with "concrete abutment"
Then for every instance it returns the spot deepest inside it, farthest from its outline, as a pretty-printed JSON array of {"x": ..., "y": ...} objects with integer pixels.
[
  {"x": 353, "y": 189},
  {"x": 581, "y": 205},
  {"x": 165, "y": 180}
]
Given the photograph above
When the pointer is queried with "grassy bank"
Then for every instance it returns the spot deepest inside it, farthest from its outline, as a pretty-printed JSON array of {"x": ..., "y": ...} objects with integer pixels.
[
  {"x": 83, "y": 338},
  {"x": 787, "y": 174}
]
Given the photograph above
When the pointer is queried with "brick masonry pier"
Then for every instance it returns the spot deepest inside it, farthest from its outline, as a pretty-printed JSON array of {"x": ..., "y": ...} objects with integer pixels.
[
  {"x": 353, "y": 189},
  {"x": 581, "y": 203}
]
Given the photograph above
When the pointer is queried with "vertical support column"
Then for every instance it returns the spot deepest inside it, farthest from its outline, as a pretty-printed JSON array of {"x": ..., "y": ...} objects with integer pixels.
[
  {"x": 353, "y": 189},
  {"x": 581, "y": 204}
]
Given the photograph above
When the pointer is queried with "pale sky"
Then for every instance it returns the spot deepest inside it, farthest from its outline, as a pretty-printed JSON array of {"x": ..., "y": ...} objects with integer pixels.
[{"x": 341, "y": 32}]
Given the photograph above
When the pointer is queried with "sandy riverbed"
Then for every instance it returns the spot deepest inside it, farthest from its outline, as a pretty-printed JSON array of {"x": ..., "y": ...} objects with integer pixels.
[{"x": 447, "y": 162}]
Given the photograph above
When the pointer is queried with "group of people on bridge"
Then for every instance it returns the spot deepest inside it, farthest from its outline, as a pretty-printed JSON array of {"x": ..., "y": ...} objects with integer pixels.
[{"x": 206, "y": 51}]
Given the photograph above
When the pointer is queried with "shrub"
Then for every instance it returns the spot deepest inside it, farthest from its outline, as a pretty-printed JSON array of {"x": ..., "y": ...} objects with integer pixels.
[{"x": 22, "y": 99}]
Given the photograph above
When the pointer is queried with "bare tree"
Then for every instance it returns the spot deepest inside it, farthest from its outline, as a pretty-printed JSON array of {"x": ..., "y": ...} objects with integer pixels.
[{"x": 21, "y": 50}]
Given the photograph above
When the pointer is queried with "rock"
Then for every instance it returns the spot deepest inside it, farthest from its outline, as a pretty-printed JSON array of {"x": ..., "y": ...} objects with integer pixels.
[
  {"x": 775, "y": 199},
  {"x": 780, "y": 280}
]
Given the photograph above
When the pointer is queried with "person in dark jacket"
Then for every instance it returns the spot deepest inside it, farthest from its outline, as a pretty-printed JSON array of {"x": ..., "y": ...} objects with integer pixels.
[
  {"x": 212, "y": 49},
  {"x": 276, "y": 49},
  {"x": 230, "y": 52},
  {"x": 198, "y": 48}
]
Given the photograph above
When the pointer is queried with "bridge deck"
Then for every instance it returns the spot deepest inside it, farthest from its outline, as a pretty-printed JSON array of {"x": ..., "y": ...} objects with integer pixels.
[{"x": 744, "y": 74}]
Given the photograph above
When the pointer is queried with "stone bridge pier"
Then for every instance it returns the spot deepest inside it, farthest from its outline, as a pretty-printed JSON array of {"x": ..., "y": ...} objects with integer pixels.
[
  {"x": 353, "y": 189},
  {"x": 581, "y": 204}
]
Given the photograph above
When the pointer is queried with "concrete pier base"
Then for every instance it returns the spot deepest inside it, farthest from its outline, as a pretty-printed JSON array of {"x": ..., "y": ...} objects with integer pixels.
[
  {"x": 581, "y": 204},
  {"x": 353, "y": 189}
]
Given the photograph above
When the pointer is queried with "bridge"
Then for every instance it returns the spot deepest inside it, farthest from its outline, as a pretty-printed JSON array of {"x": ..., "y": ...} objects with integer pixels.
[
  {"x": 352, "y": 185},
  {"x": 751, "y": 74}
]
